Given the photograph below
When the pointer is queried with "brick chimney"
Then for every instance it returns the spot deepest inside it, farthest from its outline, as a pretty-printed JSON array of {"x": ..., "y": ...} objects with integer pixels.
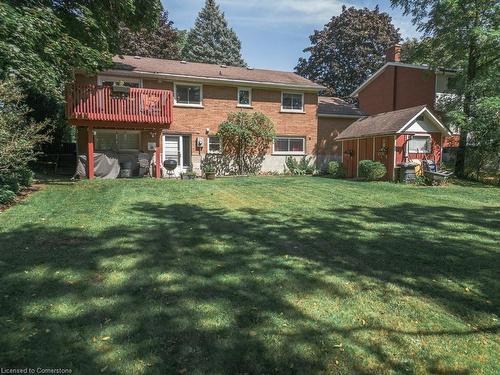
[{"x": 393, "y": 54}]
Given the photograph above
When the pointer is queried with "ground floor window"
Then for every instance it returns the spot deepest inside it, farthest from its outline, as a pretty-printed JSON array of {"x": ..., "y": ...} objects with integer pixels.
[
  {"x": 117, "y": 140},
  {"x": 214, "y": 145},
  {"x": 419, "y": 144},
  {"x": 289, "y": 145}
]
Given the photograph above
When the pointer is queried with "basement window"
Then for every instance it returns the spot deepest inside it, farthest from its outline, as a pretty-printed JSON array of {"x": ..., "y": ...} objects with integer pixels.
[{"x": 289, "y": 145}]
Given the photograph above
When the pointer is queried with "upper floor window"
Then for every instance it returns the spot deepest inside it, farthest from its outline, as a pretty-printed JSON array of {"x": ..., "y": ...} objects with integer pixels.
[
  {"x": 289, "y": 145},
  {"x": 125, "y": 81},
  {"x": 244, "y": 97},
  {"x": 420, "y": 144},
  {"x": 188, "y": 95},
  {"x": 292, "y": 102},
  {"x": 214, "y": 145}
]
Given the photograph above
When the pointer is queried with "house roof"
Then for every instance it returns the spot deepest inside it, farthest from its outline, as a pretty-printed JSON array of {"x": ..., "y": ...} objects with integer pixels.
[
  {"x": 182, "y": 70},
  {"x": 404, "y": 65},
  {"x": 335, "y": 107},
  {"x": 388, "y": 123}
]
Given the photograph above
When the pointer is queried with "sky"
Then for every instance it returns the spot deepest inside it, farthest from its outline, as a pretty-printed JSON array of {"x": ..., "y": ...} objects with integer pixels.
[{"x": 273, "y": 33}]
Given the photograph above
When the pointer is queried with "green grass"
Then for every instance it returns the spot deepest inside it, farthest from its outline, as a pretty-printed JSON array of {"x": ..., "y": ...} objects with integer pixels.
[{"x": 252, "y": 276}]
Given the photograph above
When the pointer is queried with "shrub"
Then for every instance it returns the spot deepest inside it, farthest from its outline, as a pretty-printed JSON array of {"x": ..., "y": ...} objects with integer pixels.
[
  {"x": 25, "y": 177},
  {"x": 299, "y": 167},
  {"x": 246, "y": 137},
  {"x": 8, "y": 181},
  {"x": 371, "y": 170},
  {"x": 6, "y": 196},
  {"x": 335, "y": 169}
]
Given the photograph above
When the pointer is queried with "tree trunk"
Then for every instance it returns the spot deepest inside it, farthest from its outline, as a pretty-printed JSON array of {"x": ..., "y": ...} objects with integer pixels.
[{"x": 472, "y": 65}]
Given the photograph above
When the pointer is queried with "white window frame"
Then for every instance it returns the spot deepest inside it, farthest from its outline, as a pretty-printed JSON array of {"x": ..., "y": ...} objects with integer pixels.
[
  {"x": 116, "y": 133},
  {"x": 101, "y": 79},
  {"x": 292, "y": 110},
  {"x": 420, "y": 151},
  {"x": 208, "y": 145},
  {"x": 303, "y": 139},
  {"x": 249, "y": 89},
  {"x": 200, "y": 105}
]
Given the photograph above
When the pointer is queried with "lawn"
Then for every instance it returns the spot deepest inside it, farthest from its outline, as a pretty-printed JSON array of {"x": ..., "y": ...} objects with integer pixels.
[{"x": 252, "y": 276}]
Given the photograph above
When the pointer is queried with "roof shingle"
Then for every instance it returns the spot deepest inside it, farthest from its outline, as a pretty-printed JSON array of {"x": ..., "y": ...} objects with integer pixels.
[
  {"x": 383, "y": 123},
  {"x": 331, "y": 106},
  {"x": 211, "y": 71}
]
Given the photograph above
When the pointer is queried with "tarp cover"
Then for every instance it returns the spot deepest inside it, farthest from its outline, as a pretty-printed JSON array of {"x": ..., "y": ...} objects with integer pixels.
[{"x": 106, "y": 165}]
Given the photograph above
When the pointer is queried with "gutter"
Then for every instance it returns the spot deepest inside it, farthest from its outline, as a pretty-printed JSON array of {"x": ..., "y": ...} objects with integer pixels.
[
  {"x": 340, "y": 116},
  {"x": 180, "y": 77}
]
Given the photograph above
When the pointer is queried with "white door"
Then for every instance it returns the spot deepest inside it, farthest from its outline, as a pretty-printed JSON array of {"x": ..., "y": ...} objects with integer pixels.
[{"x": 172, "y": 150}]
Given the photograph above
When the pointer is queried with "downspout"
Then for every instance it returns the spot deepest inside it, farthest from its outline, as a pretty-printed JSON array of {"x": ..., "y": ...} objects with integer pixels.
[{"x": 395, "y": 88}]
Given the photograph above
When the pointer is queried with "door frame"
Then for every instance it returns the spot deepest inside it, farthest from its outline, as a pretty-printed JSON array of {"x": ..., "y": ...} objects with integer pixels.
[{"x": 180, "y": 167}]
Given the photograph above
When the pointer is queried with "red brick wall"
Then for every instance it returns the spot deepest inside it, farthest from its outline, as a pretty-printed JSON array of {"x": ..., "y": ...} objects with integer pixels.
[
  {"x": 413, "y": 87},
  {"x": 218, "y": 101},
  {"x": 377, "y": 97}
]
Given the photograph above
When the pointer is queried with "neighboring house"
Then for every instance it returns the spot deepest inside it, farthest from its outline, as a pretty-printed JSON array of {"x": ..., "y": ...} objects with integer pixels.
[
  {"x": 174, "y": 109},
  {"x": 393, "y": 138},
  {"x": 397, "y": 85},
  {"x": 403, "y": 102}
]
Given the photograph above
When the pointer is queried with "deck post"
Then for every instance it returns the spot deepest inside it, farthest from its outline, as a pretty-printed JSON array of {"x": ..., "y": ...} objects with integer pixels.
[
  {"x": 90, "y": 152},
  {"x": 158, "y": 155}
]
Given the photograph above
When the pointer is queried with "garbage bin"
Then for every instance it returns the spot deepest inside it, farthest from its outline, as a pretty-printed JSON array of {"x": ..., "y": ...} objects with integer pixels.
[
  {"x": 126, "y": 169},
  {"x": 407, "y": 173}
]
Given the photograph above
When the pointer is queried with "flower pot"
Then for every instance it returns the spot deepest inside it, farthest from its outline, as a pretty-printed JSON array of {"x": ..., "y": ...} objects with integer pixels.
[{"x": 210, "y": 175}]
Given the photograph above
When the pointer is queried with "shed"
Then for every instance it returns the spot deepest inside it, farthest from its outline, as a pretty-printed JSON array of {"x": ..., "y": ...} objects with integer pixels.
[{"x": 392, "y": 138}]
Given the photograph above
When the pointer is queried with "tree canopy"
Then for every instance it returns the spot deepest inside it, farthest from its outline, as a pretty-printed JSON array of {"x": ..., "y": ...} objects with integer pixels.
[
  {"x": 161, "y": 42},
  {"x": 43, "y": 42},
  {"x": 211, "y": 40},
  {"x": 348, "y": 49}
]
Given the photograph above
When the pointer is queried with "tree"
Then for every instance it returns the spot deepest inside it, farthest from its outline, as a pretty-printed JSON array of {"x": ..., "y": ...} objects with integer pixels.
[
  {"x": 19, "y": 137},
  {"x": 246, "y": 138},
  {"x": 161, "y": 42},
  {"x": 463, "y": 35},
  {"x": 211, "y": 40},
  {"x": 348, "y": 50},
  {"x": 42, "y": 43}
]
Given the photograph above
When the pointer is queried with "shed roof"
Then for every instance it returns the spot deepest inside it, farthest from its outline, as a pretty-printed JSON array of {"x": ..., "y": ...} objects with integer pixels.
[
  {"x": 213, "y": 72},
  {"x": 387, "y": 123}
]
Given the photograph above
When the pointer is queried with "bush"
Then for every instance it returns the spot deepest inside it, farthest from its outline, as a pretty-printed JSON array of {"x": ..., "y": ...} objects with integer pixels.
[
  {"x": 9, "y": 181},
  {"x": 371, "y": 170},
  {"x": 25, "y": 177},
  {"x": 6, "y": 196},
  {"x": 335, "y": 169},
  {"x": 299, "y": 167}
]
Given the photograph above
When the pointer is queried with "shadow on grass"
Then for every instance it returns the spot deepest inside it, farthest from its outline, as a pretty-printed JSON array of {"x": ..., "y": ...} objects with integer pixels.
[{"x": 200, "y": 290}]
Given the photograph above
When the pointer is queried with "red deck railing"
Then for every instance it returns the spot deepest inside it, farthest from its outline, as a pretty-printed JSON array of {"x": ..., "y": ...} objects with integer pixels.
[{"x": 97, "y": 103}]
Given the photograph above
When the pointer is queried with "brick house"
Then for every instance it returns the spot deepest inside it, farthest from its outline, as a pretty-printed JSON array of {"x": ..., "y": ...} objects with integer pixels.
[
  {"x": 173, "y": 109},
  {"x": 398, "y": 85}
]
